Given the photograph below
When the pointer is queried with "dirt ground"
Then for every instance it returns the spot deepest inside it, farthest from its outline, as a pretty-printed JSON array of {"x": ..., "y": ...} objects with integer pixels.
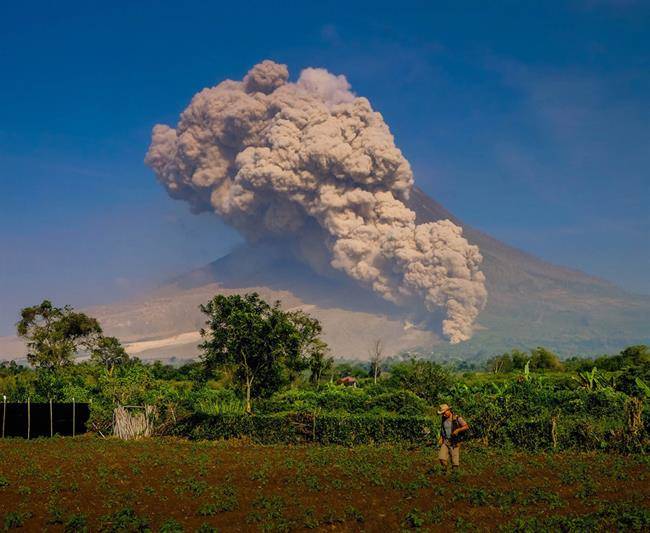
[{"x": 93, "y": 484}]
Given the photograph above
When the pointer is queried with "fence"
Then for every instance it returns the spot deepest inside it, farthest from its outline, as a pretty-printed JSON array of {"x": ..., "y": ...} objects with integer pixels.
[{"x": 31, "y": 420}]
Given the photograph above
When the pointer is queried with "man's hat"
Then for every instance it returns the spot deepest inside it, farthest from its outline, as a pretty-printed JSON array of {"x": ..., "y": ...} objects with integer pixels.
[{"x": 443, "y": 408}]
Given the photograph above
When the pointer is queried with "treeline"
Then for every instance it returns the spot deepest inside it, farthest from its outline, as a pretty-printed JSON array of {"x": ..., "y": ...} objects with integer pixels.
[
  {"x": 272, "y": 364},
  {"x": 541, "y": 358}
]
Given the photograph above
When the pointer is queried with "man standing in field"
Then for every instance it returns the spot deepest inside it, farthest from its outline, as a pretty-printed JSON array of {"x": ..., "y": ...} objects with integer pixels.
[{"x": 451, "y": 425}]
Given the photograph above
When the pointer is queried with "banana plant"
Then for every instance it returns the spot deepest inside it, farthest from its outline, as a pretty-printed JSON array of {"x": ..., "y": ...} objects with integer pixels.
[
  {"x": 587, "y": 379},
  {"x": 594, "y": 380},
  {"x": 643, "y": 387},
  {"x": 460, "y": 389}
]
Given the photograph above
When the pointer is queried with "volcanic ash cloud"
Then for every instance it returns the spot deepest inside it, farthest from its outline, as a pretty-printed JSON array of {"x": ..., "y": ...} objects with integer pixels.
[{"x": 312, "y": 163}]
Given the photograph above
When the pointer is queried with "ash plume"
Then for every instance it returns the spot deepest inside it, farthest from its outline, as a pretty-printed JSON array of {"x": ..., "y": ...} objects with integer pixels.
[{"x": 311, "y": 163}]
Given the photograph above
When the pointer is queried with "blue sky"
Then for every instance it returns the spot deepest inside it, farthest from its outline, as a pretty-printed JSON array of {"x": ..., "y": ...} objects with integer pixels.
[{"x": 529, "y": 120}]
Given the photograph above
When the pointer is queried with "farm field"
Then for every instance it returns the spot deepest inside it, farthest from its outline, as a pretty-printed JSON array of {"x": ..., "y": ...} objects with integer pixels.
[{"x": 167, "y": 484}]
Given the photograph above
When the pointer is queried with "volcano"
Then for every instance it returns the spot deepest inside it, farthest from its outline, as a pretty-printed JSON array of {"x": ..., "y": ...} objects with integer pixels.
[
  {"x": 310, "y": 176},
  {"x": 531, "y": 303}
]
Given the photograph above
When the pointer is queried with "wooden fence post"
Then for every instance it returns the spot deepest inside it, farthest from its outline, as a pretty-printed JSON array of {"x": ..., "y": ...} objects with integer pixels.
[
  {"x": 74, "y": 418},
  {"x": 4, "y": 413},
  {"x": 554, "y": 431},
  {"x": 29, "y": 417},
  {"x": 51, "y": 420}
]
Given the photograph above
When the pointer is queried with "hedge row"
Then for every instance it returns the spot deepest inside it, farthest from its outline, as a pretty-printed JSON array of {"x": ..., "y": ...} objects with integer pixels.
[
  {"x": 295, "y": 428},
  {"x": 542, "y": 433},
  {"x": 345, "y": 399}
]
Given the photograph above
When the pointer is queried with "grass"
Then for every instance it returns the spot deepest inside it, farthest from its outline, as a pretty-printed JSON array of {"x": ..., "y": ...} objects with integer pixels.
[{"x": 174, "y": 485}]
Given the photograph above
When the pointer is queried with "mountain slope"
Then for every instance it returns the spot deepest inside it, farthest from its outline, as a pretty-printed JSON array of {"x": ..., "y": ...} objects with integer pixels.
[{"x": 531, "y": 302}]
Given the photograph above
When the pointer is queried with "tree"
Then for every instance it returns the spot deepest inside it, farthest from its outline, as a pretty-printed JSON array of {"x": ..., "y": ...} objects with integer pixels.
[
  {"x": 265, "y": 346},
  {"x": 131, "y": 384},
  {"x": 541, "y": 358},
  {"x": 427, "y": 379},
  {"x": 630, "y": 357},
  {"x": 108, "y": 352},
  {"x": 500, "y": 363},
  {"x": 319, "y": 362},
  {"x": 348, "y": 369},
  {"x": 638, "y": 355},
  {"x": 376, "y": 353},
  {"x": 54, "y": 334},
  {"x": 11, "y": 368},
  {"x": 519, "y": 359},
  {"x": 313, "y": 350}
]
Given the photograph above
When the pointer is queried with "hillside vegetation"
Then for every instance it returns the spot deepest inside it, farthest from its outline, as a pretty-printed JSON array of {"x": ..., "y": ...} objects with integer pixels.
[{"x": 272, "y": 365}]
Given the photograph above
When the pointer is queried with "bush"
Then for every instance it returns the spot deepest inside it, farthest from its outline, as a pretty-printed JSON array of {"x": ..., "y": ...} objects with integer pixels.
[
  {"x": 301, "y": 427},
  {"x": 329, "y": 398},
  {"x": 214, "y": 401},
  {"x": 336, "y": 399},
  {"x": 402, "y": 402},
  {"x": 426, "y": 379}
]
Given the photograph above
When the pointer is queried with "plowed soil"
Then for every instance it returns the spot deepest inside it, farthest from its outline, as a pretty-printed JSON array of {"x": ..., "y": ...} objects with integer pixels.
[{"x": 172, "y": 485}]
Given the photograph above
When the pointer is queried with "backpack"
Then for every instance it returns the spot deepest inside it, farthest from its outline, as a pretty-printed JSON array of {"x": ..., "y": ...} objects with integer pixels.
[{"x": 461, "y": 437}]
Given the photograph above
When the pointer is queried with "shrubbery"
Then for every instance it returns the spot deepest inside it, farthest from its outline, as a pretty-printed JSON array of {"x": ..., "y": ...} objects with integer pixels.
[
  {"x": 302, "y": 427},
  {"x": 337, "y": 399},
  {"x": 528, "y": 400},
  {"x": 533, "y": 414},
  {"x": 531, "y": 434}
]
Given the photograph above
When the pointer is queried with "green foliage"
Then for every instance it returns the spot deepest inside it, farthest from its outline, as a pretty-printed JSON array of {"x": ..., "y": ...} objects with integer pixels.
[
  {"x": 53, "y": 334},
  {"x": 171, "y": 526},
  {"x": 124, "y": 520},
  {"x": 109, "y": 353},
  {"x": 15, "y": 519},
  {"x": 645, "y": 389},
  {"x": 540, "y": 358},
  {"x": 543, "y": 359},
  {"x": 426, "y": 379},
  {"x": 328, "y": 398},
  {"x": 76, "y": 523},
  {"x": 344, "y": 429},
  {"x": 613, "y": 517},
  {"x": 343, "y": 369},
  {"x": 319, "y": 362},
  {"x": 334, "y": 398},
  {"x": 215, "y": 401},
  {"x": 402, "y": 402},
  {"x": 265, "y": 345},
  {"x": 528, "y": 400},
  {"x": 594, "y": 379},
  {"x": 632, "y": 356},
  {"x": 206, "y": 528},
  {"x": 507, "y": 362},
  {"x": 190, "y": 371},
  {"x": 11, "y": 368}
]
